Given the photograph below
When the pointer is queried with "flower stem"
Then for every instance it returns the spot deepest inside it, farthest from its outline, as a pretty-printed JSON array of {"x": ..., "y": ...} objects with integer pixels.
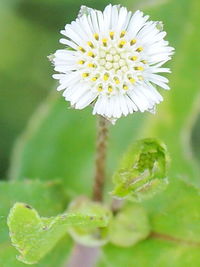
[
  {"x": 101, "y": 146},
  {"x": 82, "y": 255}
]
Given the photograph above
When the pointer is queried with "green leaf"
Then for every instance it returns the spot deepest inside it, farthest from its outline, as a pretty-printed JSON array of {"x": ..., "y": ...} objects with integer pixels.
[
  {"x": 90, "y": 236},
  {"x": 175, "y": 232},
  {"x": 49, "y": 199},
  {"x": 39, "y": 194},
  {"x": 34, "y": 236},
  {"x": 129, "y": 226},
  {"x": 151, "y": 253},
  {"x": 176, "y": 211},
  {"x": 142, "y": 171},
  {"x": 58, "y": 256}
]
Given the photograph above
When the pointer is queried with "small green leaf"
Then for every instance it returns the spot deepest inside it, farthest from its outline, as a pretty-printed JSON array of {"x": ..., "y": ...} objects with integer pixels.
[
  {"x": 90, "y": 236},
  {"x": 129, "y": 226},
  {"x": 143, "y": 171},
  {"x": 34, "y": 236},
  {"x": 49, "y": 199}
]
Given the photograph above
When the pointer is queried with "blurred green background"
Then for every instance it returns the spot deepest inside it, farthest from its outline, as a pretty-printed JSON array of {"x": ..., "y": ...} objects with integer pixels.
[{"x": 29, "y": 33}]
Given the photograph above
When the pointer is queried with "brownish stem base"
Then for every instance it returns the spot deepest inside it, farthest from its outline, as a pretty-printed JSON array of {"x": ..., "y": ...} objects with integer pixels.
[{"x": 83, "y": 256}]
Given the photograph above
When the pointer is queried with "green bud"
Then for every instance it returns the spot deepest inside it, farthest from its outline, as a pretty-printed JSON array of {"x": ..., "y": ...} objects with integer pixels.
[
  {"x": 90, "y": 235},
  {"x": 143, "y": 171}
]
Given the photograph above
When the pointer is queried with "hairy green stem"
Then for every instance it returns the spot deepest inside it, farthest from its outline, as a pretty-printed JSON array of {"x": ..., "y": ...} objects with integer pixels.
[
  {"x": 81, "y": 255},
  {"x": 101, "y": 146}
]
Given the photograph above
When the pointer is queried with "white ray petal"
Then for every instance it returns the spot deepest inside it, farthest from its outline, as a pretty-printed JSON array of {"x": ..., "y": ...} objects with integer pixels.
[
  {"x": 131, "y": 105},
  {"x": 93, "y": 15},
  {"x": 77, "y": 94},
  {"x": 68, "y": 43},
  {"x": 76, "y": 26},
  {"x": 107, "y": 17},
  {"x": 85, "y": 99},
  {"x": 122, "y": 18},
  {"x": 137, "y": 22},
  {"x": 123, "y": 105},
  {"x": 101, "y": 23},
  {"x": 139, "y": 100},
  {"x": 114, "y": 17},
  {"x": 71, "y": 34}
]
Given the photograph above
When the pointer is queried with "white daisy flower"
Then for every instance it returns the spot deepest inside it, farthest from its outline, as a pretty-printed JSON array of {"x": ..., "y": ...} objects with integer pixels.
[{"x": 112, "y": 61}]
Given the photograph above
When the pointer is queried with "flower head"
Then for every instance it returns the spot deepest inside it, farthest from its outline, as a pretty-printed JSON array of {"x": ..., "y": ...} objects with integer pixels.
[{"x": 112, "y": 61}]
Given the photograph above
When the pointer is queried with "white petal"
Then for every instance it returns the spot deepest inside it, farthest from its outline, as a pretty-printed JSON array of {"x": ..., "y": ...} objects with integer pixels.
[
  {"x": 161, "y": 84},
  {"x": 130, "y": 104},
  {"x": 150, "y": 95},
  {"x": 78, "y": 92},
  {"x": 69, "y": 80},
  {"x": 154, "y": 91},
  {"x": 65, "y": 68},
  {"x": 136, "y": 22},
  {"x": 76, "y": 26},
  {"x": 114, "y": 17},
  {"x": 58, "y": 76},
  {"x": 85, "y": 99},
  {"x": 70, "y": 33},
  {"x": 97, "y": 106},
  {"x": 123, "y": 105},
  {"x": 100, "y": 20},
  {"x": 94, "y": 19},
  {"x": 107, "y": 17},
  {"x": 117, "y": 108},
  {"x": 109, "y": 108},
  {"x": 157, "y": 70},
  {"x": 68, "y": 43},
  {"x": 85, "y": 26},
  {"x": 159, "y": 80},
  {"x": 138, "y": 99},
  {"x": 127, "y": 21},
  {"x": 70, "y": 91},
  {"x": 121, "y": 19}
]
